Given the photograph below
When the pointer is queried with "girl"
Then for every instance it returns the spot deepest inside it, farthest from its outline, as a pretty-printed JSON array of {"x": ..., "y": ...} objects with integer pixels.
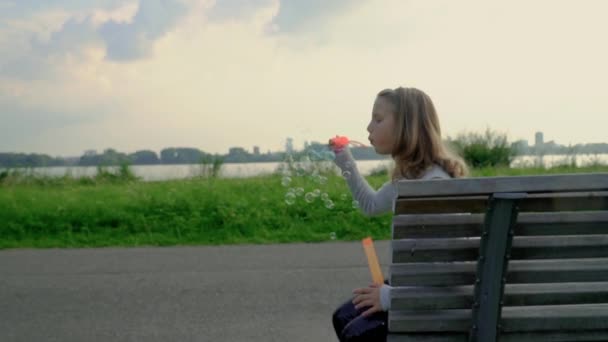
[{"x": 405, "y": 125}]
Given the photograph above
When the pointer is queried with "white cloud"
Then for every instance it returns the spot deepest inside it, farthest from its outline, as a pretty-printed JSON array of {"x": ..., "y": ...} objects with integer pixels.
[
  {"x": 216, "y": 83},
  {"x": 4, "y": 5}
]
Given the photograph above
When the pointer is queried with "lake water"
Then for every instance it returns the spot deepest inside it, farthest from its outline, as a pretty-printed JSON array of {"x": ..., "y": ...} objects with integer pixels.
[
  {"x": 165, "y": 172},
  {"x": 555, "y": 159}
]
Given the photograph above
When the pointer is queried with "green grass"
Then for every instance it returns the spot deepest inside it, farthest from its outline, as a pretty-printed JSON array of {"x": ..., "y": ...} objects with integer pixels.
[
  {"x": 207, "y": 211},
  {"x": 531, "y": 171},
  {"x": 126, "y": 212}
]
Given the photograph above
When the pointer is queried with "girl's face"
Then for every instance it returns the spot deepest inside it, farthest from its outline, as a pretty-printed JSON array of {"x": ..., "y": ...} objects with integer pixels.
[{"x": 382, "y": 126}]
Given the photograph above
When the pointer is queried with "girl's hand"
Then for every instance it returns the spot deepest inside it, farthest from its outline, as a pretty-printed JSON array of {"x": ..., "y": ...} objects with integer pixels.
[
  {"x": 368, "y": 297},
  {"x": 338, "y": 143}
]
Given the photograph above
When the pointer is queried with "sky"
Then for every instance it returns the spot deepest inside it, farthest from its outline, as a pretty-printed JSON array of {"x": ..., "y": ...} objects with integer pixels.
[{"x": 133, "y": 75}]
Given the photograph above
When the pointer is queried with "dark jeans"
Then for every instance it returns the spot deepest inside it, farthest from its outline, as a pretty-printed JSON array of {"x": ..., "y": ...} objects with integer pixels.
[{"x": 351, "y": 327}]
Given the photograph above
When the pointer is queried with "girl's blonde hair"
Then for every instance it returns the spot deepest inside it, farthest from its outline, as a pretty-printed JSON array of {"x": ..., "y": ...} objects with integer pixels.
[{"x": 419, "y": 144}]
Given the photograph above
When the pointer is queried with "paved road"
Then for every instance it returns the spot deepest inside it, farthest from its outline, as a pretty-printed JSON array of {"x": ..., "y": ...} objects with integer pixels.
[{"x": 231, "y": 293}]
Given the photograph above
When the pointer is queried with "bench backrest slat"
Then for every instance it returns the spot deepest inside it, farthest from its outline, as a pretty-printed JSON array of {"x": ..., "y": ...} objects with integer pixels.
[
  {"x": 524, "y": 247},
  {"x": 456, "y": 297},
  {"x": 546, "y": 202},
  {"x": 490, "y": 185},
  {"x": 557, "y": 274},
  {"x": 470, "y": 225}
]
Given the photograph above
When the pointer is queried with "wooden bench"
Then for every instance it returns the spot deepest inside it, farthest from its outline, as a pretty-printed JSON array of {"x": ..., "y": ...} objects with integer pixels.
[{"x": 509, "y": 258}]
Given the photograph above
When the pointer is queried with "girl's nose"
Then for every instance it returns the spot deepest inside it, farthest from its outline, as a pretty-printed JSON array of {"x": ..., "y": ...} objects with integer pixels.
[{"x": 369, "y": 127}]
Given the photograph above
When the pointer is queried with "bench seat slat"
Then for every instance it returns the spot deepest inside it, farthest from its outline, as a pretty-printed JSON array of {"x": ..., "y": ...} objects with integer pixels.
[
  {"x": 555, "y": 317},
  {"x": 559, "y": 247},
  {"x": 520, "y": 271},
  {"x": 432, "y": 298},
  {"x": 432, "y": 274},
  {"x": 556, "y": 336},
  {"x": 558, "y": 270},
  {"x": 461, "y": 297},
  {"x": 428, "y": 337},
  {"x": 514, "y": 319},
  {"x": 548, "y": 336},
  {"x": 524, "y": 247},
  {"x": 556, "y": 293},
  {"x": 458, "y": 320}
]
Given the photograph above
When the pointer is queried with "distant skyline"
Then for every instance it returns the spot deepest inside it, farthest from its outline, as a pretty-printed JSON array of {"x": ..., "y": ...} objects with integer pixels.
[
  {"x": 133, "y": 75},
  {"x": 521, "y": 146}
]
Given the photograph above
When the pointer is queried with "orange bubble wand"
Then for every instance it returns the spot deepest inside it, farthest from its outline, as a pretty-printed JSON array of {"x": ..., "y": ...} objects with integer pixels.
[
  {"x": 372, "y": 261},
  {"x": 339, "y": 142}
]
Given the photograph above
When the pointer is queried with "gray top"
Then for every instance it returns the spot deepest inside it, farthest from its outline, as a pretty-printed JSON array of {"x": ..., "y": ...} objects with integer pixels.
[{"x": 373, "y": 202}]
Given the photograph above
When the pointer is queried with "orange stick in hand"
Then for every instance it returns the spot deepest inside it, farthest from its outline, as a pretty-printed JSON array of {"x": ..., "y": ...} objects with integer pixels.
[{"x": 372, "y": 261}]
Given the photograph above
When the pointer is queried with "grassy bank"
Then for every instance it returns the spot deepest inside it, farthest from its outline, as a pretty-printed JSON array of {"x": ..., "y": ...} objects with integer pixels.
[
  {"x": 205, "y": 211},
  {"x": 119, "y": 211}
]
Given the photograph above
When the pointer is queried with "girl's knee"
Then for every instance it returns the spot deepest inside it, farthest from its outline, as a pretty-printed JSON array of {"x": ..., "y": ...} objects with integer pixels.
[
  {"x": 373, "y": 328},
  {"x": 343, "y": 315}
]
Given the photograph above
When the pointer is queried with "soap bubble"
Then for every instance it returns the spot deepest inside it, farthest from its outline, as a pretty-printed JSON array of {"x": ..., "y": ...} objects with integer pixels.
[
  {"x": 356, "y": 204},
  {"x": 284, "y": 169},
  {"x": 314, "y": 155},
  {"x": 329, "y": 155},
  {"x": 332, "y": 235},
  {"x": 290, "y": 198},
  {"x": 309, "y": 197},
  {"x": 311, "y": 166},
  {"x": 343, "y": 197},
  {"x": 300, "y": 171},
  {"x": 348, "y": 165},
  {"x": 346, "y": 174}
]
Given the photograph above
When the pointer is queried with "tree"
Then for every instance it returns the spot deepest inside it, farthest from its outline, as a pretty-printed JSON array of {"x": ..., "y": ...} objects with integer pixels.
[{"x": 144, "y": 157}]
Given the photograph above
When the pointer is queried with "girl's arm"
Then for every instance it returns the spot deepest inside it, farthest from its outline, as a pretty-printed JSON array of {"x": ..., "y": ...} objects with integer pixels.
[{"x": 371, "y": 202}]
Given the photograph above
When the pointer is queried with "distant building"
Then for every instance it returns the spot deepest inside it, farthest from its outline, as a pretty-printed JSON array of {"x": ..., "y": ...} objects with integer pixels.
[
  {"x": 539, "y": 140},
  {"x": 522, "y": 143},
  {"x": 236, "y": 151},
  {"x": 90, "y": 153},
  {"x": 289, "y": 145},
  {"x": 521, "y": 146},
  {"x": 256, "y": 150}
]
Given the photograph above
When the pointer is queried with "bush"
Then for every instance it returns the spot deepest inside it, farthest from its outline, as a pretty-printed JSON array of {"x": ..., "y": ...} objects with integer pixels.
[
  {"x": 490, "y": 149},
  {"x": 123, "y": 174},
  {"x": 209, "y": 167},
  {"x": 3, "y": 175}
]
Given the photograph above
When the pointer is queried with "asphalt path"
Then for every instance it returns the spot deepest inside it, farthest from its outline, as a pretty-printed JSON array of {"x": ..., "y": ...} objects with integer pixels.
[{"x": 283, "y": 292}]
